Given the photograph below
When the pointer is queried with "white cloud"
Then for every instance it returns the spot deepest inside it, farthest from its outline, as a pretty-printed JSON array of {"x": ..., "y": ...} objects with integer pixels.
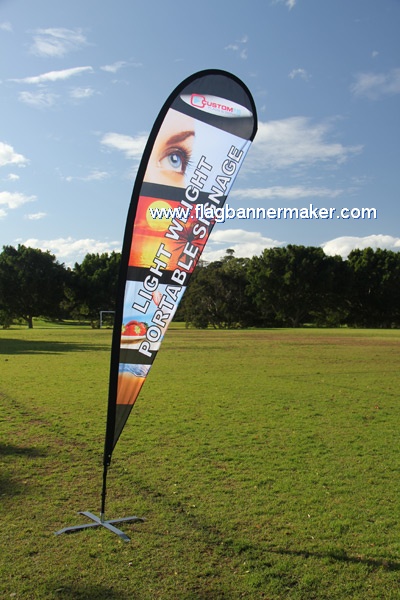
[
  {"x": 342, "y": 246},
  {"x": 81, "y": 93},
  {"x": 295, "y": 141},
  {"x": 287, "y": 193},
  {"x": 252, "y": 243},
  {"x": 13, "y": 200},
  {"x": 8, "y": 156},
  {"x": 94, "y": 175},
  {"x": 132, "y": 147},
  {"x": 70, "y": 250},
  {"x": 53, "y": 76},
  {"x": 377, "y": 85},
  {"x": 38, "y": 99},
  {"x": 12, "y": 177},
  {"x": 239, "y": 47},
  {"x": 6, "y": 26},
  {"x": 45, "y": 99},
  {"x": 289, "y": 3},
  {"x": 36, "y": 216},
  {"x": 57, "y": 42},
  {"x": 302, "y": 73},
  {"x": 114, "y": 67},
  {"x": 245, "y": 243}
]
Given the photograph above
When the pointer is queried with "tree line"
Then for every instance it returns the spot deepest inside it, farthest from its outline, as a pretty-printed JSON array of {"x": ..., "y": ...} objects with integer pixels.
[
  {"x": 283, "y": 287},
  {"x": 34, "y": 284}
]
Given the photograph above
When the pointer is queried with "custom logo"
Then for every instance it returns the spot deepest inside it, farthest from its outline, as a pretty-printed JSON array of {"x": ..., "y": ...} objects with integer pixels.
[{"x": 216, "y": 106}]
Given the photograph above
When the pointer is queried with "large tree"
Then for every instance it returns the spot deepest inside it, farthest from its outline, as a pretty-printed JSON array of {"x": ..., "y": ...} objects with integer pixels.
[
  {"x": 31, "y": 283},
  {"x": 94, "y": 285},
  {"x": 375, "y": 289},
  {"x": 216, "y": 295},
  {"x": 293, "y": 284}
]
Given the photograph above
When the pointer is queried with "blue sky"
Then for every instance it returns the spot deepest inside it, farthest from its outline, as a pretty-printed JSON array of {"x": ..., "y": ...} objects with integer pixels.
[{"x": 82, "y": 82}]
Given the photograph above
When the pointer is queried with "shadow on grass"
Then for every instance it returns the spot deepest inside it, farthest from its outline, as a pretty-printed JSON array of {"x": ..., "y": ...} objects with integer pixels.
[
  {"x": 235, "y": 546},
  {"x": 8, "y": 486},
  {"x": 77, "y": 591},
  {"x": 14, "y": 346},
  {"x": 342, "y": 556},
  {"x": 9, "y": 450},
  {"x": 254, "y": 552}
]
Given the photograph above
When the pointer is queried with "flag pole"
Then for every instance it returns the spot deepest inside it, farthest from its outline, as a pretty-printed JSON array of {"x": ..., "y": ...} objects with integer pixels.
[
  {"x": 102, "y": 522},
  {"x": 103, "y": 493}
]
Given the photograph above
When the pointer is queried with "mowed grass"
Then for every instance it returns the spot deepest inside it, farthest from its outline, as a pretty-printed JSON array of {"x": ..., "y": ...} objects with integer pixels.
[{"x": 266, "y": 464}]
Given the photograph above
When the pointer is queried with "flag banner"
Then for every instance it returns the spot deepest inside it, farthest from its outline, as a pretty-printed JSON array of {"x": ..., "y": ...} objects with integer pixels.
[{"x": 192, "y": 157}]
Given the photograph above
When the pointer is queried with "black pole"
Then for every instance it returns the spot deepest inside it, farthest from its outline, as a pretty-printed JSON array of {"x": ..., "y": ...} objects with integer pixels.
[{"x": 103, "y": 493}]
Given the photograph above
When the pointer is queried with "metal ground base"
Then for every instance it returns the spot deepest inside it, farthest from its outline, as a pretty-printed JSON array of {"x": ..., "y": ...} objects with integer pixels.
[{"x": 100, "y": 522}]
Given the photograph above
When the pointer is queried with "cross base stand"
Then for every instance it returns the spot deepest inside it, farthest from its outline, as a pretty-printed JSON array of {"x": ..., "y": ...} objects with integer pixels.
[{"x": 100, "y": 522}]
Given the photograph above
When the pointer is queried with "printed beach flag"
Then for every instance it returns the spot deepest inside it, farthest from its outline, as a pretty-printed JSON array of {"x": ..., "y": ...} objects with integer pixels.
[{"x": 194, "y": 152}]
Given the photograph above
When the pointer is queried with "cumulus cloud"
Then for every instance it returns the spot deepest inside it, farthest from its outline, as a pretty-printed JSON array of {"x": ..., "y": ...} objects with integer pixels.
[
  {"x": 245, "y": 244},
  {"x": 8, "y": 156},
  {"x": 53, "y": 76},
  {"x": 12, "y": 177},
  {"x": 57, "y": 42},
  {"x": 286, "y": 193},
  {"x": 12, "y": 200},
  {"x": 132, "y": 147},
  {"x": 70, "y": 250},
  {"x": 342, "y": 246},
  {"x": 296, "y": 142},
  {"x": 376, "y": 85}
]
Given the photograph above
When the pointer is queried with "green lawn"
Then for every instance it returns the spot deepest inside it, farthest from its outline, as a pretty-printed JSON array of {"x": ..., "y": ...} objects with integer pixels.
[{"x": 266, "y": 464}]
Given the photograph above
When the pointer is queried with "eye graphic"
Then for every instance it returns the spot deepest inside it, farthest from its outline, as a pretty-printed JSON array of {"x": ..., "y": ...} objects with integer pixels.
[
  {"x": 175, "y": 159},
  {"x": 172, "y": 152}
]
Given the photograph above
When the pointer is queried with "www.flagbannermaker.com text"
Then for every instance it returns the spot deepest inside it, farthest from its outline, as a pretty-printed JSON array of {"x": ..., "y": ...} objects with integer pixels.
[{"x": 227, "y": 212}]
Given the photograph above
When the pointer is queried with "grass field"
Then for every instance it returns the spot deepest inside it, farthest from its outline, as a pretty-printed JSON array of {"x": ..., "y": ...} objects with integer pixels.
[{"x": 266, "y": 464}]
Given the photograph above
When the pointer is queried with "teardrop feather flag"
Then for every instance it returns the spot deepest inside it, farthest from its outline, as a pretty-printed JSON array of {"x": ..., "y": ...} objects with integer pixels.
[{"x": 192, "y": 157}]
